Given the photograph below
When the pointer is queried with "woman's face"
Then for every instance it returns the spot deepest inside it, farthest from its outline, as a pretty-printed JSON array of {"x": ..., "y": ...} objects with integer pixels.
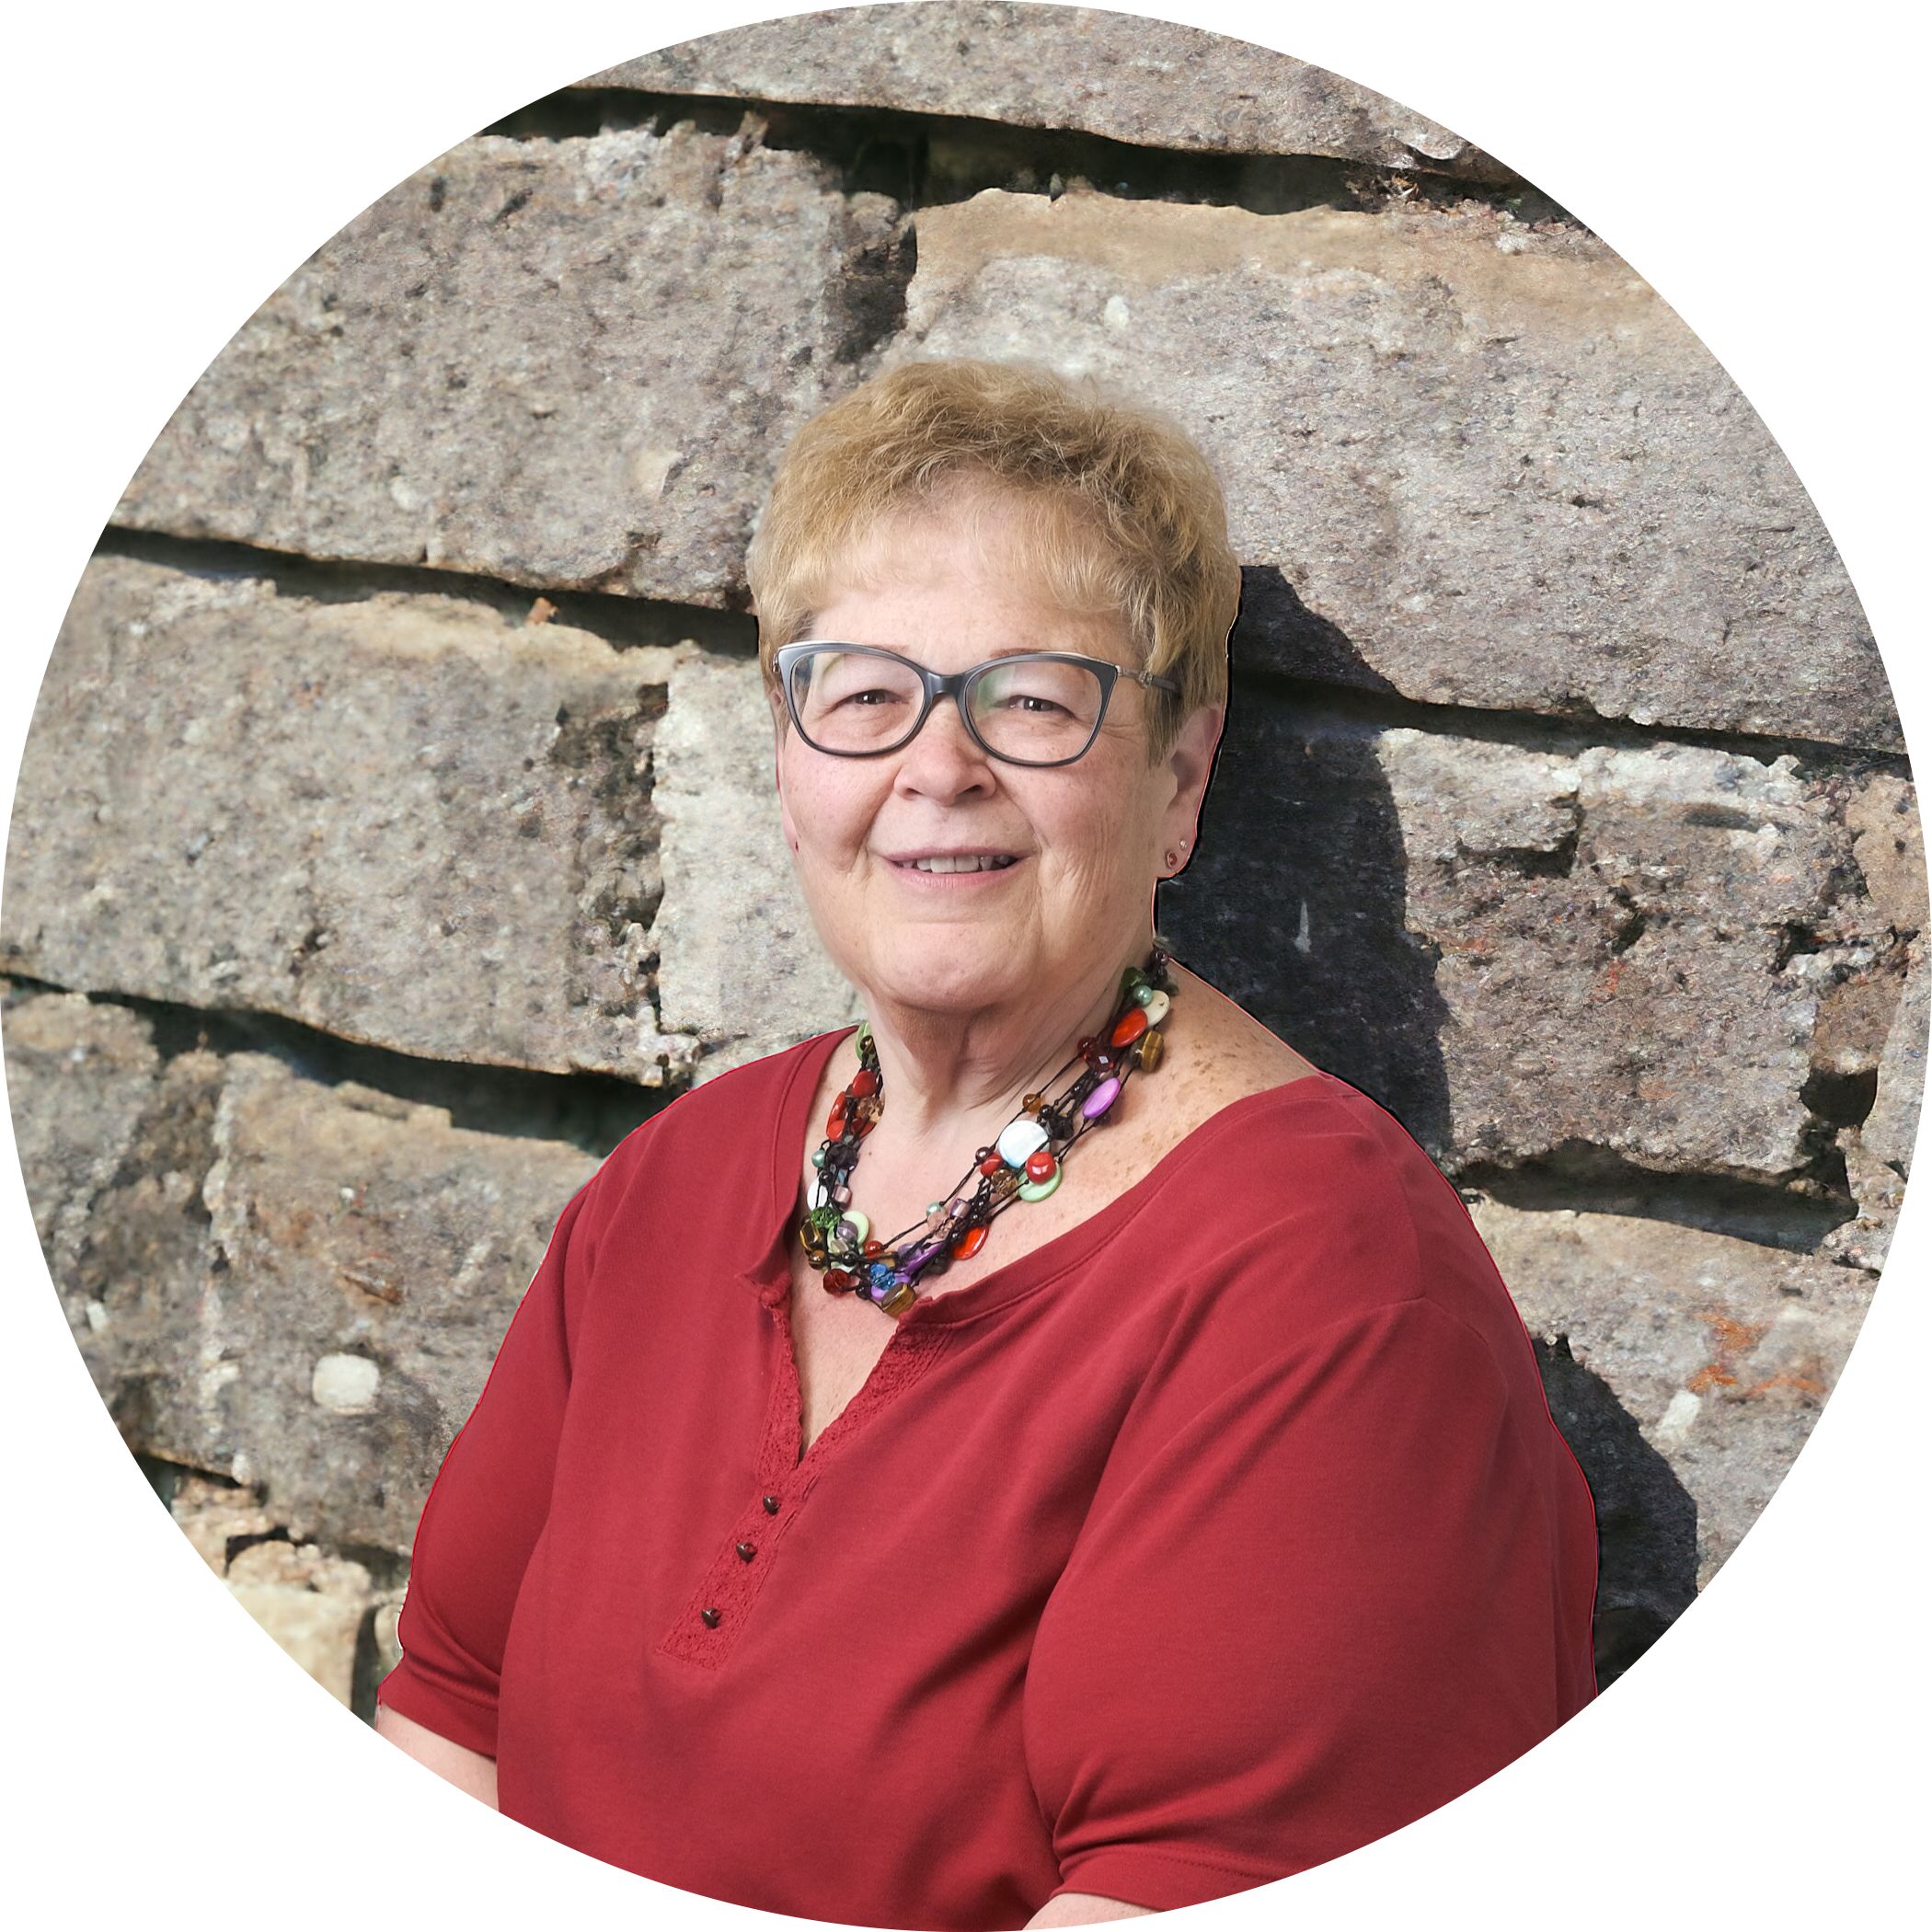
[{"x": 1087, "y": 840}]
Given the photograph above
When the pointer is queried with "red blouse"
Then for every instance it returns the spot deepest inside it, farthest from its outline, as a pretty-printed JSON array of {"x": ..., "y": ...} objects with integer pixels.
[{"x": 1218, "y": 1536}]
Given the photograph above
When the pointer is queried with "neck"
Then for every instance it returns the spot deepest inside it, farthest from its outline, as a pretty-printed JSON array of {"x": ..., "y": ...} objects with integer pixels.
[{"x": 957, "y": 1079}]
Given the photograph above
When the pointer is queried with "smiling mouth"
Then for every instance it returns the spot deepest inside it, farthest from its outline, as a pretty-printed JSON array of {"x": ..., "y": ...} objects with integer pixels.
[{"x": 960, "y": 862}]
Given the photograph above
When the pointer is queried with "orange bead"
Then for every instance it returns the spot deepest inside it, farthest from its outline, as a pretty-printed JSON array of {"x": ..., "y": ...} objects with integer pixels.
[
  {"x": 865, "y": 1081},
  {"x": 992, "y": 1164},
  {"x": 969, "y": 1243},
  {"x": 1133, "y": 1025},
  {"x": 875, "y": 1247}
]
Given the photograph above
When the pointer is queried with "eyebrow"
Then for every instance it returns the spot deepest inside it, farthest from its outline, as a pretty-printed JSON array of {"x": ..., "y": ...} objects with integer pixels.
[{"x": 1018, "y": 650}]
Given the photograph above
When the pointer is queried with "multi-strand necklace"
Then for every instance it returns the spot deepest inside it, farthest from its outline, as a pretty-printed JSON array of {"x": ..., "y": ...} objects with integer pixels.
[{"x": 1023, "y": 1162}]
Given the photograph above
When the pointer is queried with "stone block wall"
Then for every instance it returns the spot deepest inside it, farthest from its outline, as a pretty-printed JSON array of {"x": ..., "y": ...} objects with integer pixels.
[{"x": 394, "y": 827}]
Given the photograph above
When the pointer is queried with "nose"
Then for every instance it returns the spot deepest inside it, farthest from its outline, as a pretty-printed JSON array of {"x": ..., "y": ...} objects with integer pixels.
[{"x": 944, "y": 762}]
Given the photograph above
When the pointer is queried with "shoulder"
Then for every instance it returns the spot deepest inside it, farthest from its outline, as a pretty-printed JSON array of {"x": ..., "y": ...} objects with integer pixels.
[
  {"x": 1310, "y": 1207},
  {"x": 718, "y": 1139}
]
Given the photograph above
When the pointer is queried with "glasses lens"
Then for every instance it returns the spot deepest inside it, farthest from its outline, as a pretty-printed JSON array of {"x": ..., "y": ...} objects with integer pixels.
[
  {"x": 848, "y": 701},
  {"x": 1035, "y": 711}
]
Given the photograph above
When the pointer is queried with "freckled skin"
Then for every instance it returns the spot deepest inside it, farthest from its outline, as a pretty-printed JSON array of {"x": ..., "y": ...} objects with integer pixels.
[{"x": 977, "y": 994}]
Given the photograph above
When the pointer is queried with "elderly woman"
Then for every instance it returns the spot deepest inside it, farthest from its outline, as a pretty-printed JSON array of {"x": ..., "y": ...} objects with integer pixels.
[{"x": 1050, "y": 1453}]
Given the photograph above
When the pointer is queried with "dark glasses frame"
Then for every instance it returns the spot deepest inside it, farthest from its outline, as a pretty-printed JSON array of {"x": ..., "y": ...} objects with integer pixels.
[{"x": 959, "y": 688}]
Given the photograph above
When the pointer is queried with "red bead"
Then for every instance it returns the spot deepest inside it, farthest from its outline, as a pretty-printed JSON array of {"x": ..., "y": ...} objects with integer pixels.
[
  {"x": 969, "y": 1243},
  {"x": 836, "y": 1123},
  {"x": 837, "y": 1281},
  {"x": 1085, "y": 1047},
  {"x": 865, "y": 1081},
  {"x": 863, "y": 1128},
  {"x": 1133, "y": 1025},
  {"x": 992, "y": 1164},
  {"x": 875, "y": 1247},
  {"x": 1040, "y": 1165}
]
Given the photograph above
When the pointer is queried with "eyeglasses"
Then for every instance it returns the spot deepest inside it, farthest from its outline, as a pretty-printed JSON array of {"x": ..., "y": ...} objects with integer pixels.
[{"x": 1036, "y": 708}]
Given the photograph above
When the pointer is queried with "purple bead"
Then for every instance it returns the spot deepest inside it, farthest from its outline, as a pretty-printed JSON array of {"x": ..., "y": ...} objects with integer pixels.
[
  {"x": 1100, "y": 1099},
  {"x": 843, "y": 1195},
  {"x": 921, "y": 1256}
]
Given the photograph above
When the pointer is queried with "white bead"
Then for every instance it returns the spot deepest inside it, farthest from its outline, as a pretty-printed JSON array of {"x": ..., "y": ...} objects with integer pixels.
[
  {"x": 1021, "y": 1138},
  {"x": 1155, "y": 1009}
]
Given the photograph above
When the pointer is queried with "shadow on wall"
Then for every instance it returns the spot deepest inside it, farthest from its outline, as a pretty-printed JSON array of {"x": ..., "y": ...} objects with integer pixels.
[
  {"x": 1306, "y": 927},
  {"x": 1306, "y": 930},
  {"x": 1646, "y": 1519}
]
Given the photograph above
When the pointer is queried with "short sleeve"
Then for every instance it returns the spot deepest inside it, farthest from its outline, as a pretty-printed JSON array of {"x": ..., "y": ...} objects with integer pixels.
[
  {"x": 484, "y": 1512},
  {"x": 1305, "y": 1614}
]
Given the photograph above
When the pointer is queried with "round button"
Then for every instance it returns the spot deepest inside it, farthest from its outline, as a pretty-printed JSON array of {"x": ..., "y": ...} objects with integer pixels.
[
  {"x": 771, "y": 1504},
  {"x": 710, "y": 1617},
  {"x": 746, "y": 1551}
]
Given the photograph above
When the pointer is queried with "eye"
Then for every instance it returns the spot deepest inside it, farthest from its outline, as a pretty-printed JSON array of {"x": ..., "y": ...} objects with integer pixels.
[{"x": 875, "y": 695}]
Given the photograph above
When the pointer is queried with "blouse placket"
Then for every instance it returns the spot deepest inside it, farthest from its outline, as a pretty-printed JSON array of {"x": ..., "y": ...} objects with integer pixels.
[{"x": 706, "y": 1631}]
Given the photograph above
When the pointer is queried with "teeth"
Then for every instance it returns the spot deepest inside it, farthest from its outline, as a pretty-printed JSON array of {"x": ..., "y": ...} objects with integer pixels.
[{"x": 962, "y": 863}]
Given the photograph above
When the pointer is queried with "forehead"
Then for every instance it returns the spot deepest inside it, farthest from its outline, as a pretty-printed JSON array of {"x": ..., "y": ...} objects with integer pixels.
[{"x": 979, "y": 576}]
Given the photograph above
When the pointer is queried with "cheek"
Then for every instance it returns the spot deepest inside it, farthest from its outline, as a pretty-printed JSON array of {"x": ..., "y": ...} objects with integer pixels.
[
  {"x": 831, "y": 810},
  {"x": 1098, "y": 837}
]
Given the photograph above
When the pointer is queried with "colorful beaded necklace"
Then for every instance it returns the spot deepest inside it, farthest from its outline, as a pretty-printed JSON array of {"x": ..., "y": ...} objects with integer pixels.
[{"x": 1023, "y": 1163}]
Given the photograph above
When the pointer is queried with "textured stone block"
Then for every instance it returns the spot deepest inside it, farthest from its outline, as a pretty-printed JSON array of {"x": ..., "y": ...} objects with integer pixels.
[
  {"x": 80, "y": 1079},
  {"x": 402, "y": 820},
  {"x": 256, "y": 1233},
  {"x": 349, "y": 1224},
  {"x": 1611, "y": 961},
  {"x": 1687, "y": 1369},
  {"x": 565, "y": 363},
  {"x": 114, "y": 1143},
  {"x": 742, "y": 971},
  {"x": 1466, "y": 461},
  {"x": 1878, "y": 1150},
  {"x": 1151, "y": 82}
]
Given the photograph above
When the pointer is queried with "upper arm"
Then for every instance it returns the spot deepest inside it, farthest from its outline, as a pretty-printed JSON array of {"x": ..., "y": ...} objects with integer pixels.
[
  {"x": 1303, "y": 1614},
  {"x": 1082, "y": 1908},
  {"x": 484, "y": 1512},
  {"x": 468, "y": 1770}
]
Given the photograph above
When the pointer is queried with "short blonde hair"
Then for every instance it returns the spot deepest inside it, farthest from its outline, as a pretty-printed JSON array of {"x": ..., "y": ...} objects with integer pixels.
[{"x": 1119, "y": 513}]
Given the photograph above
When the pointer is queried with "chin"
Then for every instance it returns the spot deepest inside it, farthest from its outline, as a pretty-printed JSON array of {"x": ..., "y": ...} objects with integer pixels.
[{"x": 949, "y": 968}]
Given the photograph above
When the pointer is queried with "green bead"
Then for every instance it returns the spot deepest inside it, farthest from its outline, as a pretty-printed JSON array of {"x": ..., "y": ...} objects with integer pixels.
[
  {"x": 818, "y": 1156},
  {"x": 824, "y": 1217},
  {"x": 1039, "y": 1189},
  {"x": 1131, "y": 980},
  {"x": 860, "y": 1038}
]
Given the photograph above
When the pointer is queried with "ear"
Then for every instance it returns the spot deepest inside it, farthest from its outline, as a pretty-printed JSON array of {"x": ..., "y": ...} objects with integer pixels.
[{"x": 1190, "y": 765}]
